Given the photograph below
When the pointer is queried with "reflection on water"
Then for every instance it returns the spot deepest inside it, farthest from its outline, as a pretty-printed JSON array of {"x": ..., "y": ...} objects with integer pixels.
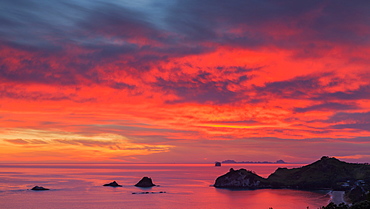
[{"x": 185, "y": 186}]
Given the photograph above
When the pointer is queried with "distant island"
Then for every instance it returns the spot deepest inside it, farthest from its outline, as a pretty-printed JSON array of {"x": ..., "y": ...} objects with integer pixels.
[{"x": 257, "y": 162}]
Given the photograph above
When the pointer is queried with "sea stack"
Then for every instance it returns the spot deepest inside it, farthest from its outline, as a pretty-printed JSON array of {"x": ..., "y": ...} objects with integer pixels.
[
  {"x": 145, "y": 182},
  {"x": 113, "y": 184},
  {"x": 217, "y": 163},
  {"x": 39, "y": 188}
]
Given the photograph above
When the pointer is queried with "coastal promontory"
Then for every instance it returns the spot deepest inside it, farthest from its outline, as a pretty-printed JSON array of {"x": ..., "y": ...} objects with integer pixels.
[
  {"x": 241, "y": 179},
  {"x": 327, "y": 173}
]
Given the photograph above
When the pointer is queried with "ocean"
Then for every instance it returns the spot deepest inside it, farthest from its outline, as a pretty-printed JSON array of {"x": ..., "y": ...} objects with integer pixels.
[{"x": 180, "y": 186}]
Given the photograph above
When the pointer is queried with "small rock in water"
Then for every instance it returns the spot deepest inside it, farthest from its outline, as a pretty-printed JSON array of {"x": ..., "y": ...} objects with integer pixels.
[
  {"x": 39, "y": 188},
  {"x": 145, "y": 182},
  {"x": 113, "y": 184},
  {"x": 161, "y": 192}
]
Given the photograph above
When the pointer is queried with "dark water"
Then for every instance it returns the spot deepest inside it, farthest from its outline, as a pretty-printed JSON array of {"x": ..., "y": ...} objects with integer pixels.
[{"x": 185, "y": 186}]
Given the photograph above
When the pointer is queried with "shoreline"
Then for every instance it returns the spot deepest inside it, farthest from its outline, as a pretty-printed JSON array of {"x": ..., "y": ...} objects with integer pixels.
[{"x": 337, "y": 197}]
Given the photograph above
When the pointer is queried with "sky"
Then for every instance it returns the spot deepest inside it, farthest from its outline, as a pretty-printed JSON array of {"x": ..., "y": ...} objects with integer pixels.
[{"x": 166, "y": 81}]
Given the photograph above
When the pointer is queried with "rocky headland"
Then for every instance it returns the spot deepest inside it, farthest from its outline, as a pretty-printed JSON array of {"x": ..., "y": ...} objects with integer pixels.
[
  {"x": 326, "y": 173},
  {"x": 241, "y": 178}
]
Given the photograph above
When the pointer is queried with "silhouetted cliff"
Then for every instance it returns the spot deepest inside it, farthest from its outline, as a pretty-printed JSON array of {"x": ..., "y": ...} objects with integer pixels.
[{"x": 326, "y": 173}]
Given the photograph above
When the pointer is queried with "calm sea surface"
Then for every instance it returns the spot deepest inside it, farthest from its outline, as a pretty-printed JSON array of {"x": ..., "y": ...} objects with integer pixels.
[{"x": 185, "y": 186}]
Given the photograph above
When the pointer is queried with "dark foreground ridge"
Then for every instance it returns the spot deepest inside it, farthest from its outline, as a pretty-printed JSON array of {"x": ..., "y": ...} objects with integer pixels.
[{"x": 326, "y": 173}]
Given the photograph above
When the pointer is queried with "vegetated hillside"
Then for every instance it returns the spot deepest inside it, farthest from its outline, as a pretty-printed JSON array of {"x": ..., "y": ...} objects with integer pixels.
[
  {"x": 241, "y": 179},
  {"x": 324, "y": 173}
]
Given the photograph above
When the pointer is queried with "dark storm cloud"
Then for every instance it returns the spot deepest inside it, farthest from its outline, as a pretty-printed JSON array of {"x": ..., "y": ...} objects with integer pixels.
[
  {"x": 331, "y": 106},
  {"x": 35, "y": 25},
  {"x": 363, "y": 92},
  {"x": 354, "y": 117},
  {"x": 359, "y": 120},
  {"x": 298, "y": 87},
  {"x": 311, "y": 88},
  {"x": 359, "y": 126},
  {"x": 8, "y": 91},
  {"x": 115, "y": 20},
  {"x": 104, "y": 30},
  {"x": 201, "y": 88},
  {"x": 200, "y": 19},
  {"x": 108, "y": 50},
  {"x": 4, "y": 93},
  {"x": 108, "y": 32},
  {"x": 121, "y": 85},
  {"x": 235, "y": 69},
  {"x": 343, "y": 21},
  {"x": 312, "y": 20},
  {"x": 35, "y": 70},
  {"x": 30, "y": 22},
  {"x": 46, "y": 29}
]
